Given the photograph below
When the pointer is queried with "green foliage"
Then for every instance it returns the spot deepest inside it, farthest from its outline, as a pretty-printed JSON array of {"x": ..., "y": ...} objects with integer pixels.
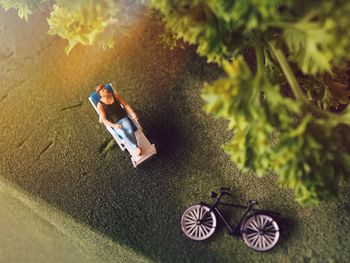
[
  {"x": 309, "y": 43},
  {"x": 219, "y": 27},
  {"x": 82, "y": 22},
  {"x": 25, "y": 7},
  {"x": 271, "y": 133},
  {"x": 320, "y": 37},
  {"x": 324, "y": 92},
  {"x": 169, "y": 40},
  {"x": 278, "y": 105},
  {"x": 308, "y": 159},
  {"x": 256, "y": 117},
  {"x": 86, "y": 22}
]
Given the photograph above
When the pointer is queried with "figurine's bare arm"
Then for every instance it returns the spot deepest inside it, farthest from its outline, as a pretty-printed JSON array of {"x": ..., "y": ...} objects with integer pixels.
[
  {"x": 126, "y": 106},
  {"x": 104, "y": 117}
]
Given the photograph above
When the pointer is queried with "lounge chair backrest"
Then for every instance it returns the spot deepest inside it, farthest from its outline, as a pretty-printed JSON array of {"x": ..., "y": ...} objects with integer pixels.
[{"x": 96, "y": 98}]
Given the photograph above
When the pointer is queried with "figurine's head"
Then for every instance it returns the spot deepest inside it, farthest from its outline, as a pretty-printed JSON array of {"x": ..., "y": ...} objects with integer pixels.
[{"x": 101, "y": 90}]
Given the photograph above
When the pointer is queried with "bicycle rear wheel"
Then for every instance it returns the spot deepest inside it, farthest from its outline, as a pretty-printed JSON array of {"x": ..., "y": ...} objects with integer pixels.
[
  {"x": 260, "y": 232},
  {"x": 194, "y": 227}
]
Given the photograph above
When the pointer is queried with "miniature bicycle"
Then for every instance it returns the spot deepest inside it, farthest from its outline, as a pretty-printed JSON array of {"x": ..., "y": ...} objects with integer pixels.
[{"x": 259, "y": 230}]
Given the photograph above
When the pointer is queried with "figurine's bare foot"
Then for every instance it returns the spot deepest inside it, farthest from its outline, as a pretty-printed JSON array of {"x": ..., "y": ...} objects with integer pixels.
[{"x": 138, "y": 151}]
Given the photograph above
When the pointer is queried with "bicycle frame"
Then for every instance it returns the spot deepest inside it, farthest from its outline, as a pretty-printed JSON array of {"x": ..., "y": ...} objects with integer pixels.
[
  {"x": 237, "y": 228},
  {"x": 259, "y": 231}
]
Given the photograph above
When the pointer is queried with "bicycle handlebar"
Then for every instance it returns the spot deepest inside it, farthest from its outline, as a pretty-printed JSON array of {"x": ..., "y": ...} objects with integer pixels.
[
  {"x": 252, "y": 202},
  {"x": 225, "y": 191}
]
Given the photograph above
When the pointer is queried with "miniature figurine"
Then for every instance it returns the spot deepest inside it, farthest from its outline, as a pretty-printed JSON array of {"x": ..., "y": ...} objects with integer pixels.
[
  {"x": 114, "y": 113},
  {"x": 122, "y": 123}
]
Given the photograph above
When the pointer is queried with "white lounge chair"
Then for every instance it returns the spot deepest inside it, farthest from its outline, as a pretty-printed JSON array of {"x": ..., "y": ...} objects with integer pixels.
[{"x": 148, "y": 149}]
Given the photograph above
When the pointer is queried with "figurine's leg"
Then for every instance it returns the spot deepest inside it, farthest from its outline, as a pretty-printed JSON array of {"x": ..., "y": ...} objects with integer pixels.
[
  {"x": 125, "y": 137},
  {"x": 127, "y": 127}
]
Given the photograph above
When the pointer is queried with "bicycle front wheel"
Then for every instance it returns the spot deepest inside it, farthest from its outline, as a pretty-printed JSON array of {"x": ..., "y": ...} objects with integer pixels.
[
  {"x": 197, "y": 223},
  {"x": 261, "y": 232}
]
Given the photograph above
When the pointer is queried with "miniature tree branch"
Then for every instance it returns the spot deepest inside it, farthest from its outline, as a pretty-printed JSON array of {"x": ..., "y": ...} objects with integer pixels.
[{"x": 294, "y": 85}]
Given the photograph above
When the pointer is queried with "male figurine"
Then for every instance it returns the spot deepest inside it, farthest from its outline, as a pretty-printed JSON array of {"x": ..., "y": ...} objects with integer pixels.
[{"x": 113, "y": 110}]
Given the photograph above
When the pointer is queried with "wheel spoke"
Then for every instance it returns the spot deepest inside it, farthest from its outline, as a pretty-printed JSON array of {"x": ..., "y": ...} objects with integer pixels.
[
  {"x": 253, "y": 227},
  {"x": 199, "y": 211},
  {"x": 191, "y": 232},
  {"x": 260, "y": 242},
  {"x": 267, "y": 240},
  {"x": 208, "y": 219},
  {"x": 187, "y": 226},
  {"x": 208, "y": 223},
  {"x": 189, "y": 219},
  {"x": 254, "y": 239},
  {"x": 189, "y": 222},
  {"x": 198, "y": 231},
  {"x": 205, "y": 231},
  {"x": 190, "y": 226},
  {"x": 272, "y": 237},
  {"x": 255, "y": 223},
  {"x": 201, "y": 232},
  {"x": 264, "y": 241},
  {"x": 256, "y": 243},
  {"x": 191, "y": 215},
  {"x": 253, "y": 234},
  {"x": 269, "y": 227},
  {"x": 264, "y": 222},
  {"x": 270, "y": 232},
  {"x": 202, "y": 212},
  {"x": 195, "y": 232},
  {"x": 195, "y": 211},
  {"x": 207, "y": 228}
]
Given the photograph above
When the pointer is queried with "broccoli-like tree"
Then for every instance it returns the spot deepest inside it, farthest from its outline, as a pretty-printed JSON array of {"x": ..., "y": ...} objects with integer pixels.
[{"x": 280, "y": 105}]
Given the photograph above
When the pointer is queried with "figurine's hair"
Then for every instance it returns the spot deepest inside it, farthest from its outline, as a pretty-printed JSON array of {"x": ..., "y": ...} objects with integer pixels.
[{"x": 99, "y": 87}]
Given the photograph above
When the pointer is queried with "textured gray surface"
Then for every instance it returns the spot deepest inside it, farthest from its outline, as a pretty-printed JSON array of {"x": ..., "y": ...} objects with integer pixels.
[
  {"x": 27, "y": 237},
  {"x": 33, "y": 231}
]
